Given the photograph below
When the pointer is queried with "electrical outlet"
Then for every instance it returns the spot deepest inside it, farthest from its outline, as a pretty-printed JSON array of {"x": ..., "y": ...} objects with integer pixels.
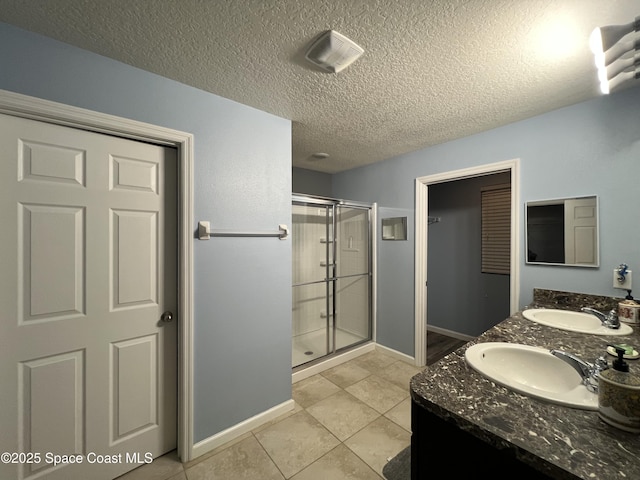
[{"x": 626, "y": 285}]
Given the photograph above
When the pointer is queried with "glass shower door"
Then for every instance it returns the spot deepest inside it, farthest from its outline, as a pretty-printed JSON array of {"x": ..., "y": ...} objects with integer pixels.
[
  {"x": 312, "y": 237},
  {"x": 352, "y": 276},
  {"x": 331, "y": 308}
]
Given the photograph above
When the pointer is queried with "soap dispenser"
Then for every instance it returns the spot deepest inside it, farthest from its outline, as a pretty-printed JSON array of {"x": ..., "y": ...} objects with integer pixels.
[
  {"x": 619, "y": 395},
  {"x": 629, "y": 310}
]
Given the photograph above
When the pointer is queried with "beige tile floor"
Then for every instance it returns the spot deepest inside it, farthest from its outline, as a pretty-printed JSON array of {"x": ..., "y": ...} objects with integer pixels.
[{"x": 347, "y": 423}]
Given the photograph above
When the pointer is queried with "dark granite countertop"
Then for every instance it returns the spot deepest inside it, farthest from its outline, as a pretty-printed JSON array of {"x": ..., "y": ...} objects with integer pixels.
[{"x": 562, "y": 442}]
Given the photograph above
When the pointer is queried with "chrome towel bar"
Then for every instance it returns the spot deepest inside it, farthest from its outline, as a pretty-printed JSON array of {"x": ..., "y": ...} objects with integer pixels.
[{"x": 205, "y": 232}]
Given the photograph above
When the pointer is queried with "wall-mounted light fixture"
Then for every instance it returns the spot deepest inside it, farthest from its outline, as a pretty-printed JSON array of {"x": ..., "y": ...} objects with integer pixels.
[
  {"x": 612, "y": 84},
  {"x": 618, "y": 72},
  {"x": 615, "y": 59}
]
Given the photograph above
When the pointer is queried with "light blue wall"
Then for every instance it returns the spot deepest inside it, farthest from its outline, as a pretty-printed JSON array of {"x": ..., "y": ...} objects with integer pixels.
[
  {"x": 242, "y": 181},
  {"x": 589, "y": 148},
  {"x": 395, "y": 264}
]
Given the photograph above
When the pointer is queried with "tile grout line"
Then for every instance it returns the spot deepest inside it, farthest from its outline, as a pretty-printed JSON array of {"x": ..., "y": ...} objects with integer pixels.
[
  {"x": 267, "y": 453},
  {"x": 379, "y": 415}
]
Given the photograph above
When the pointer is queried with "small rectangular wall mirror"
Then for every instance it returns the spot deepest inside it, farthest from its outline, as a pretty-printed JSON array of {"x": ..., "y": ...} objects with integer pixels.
[{"x": 563, "y": 232}]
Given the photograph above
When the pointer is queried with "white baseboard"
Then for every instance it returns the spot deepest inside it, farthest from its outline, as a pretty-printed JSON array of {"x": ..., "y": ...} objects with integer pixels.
[
  {"x": 332, "y": 362},
  {"x": 396, "y": 354},
  {"x": 231, "y": 433},
  {"x": 350, "y": 355},
  {"x": 450, "y": 333}
]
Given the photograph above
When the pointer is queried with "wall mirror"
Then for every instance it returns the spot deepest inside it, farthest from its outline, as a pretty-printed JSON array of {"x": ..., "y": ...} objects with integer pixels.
[{"x": 563, "y": 232}]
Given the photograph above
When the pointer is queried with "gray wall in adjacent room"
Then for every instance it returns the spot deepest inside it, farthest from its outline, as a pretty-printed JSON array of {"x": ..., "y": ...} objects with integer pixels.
[
  {"x": 460, "y": 298},
  {"x": 311, "y": 182}
]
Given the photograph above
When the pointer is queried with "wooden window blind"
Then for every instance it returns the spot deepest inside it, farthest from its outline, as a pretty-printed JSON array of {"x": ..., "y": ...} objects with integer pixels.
[{"x": 496, "y": 229}]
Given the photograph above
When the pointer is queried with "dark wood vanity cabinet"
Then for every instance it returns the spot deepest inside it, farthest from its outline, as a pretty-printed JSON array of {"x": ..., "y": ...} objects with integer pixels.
[{"x": 438, "y": 446}]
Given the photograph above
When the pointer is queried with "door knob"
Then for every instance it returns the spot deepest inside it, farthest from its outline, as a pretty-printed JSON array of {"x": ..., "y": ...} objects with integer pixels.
[{"x": 167, "y": 317}]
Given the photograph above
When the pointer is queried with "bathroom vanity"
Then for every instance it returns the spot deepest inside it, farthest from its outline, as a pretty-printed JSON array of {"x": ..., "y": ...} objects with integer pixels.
[{"x": 456, "y": 413}]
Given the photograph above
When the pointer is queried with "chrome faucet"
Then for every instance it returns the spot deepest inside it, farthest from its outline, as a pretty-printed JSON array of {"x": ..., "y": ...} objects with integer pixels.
[
  {"x": 609, "y": 320},
  {"x": 589, "y": 372}
]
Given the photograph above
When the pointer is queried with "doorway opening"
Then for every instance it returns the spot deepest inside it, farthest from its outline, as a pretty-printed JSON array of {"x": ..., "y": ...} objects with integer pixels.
[
  {"x": 468, "y": 255},
  {"x": 421, "y": 241}
]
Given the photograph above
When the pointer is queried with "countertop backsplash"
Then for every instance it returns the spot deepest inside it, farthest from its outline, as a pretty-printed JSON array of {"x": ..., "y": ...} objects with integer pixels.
[{"x": 572, "y": 301}]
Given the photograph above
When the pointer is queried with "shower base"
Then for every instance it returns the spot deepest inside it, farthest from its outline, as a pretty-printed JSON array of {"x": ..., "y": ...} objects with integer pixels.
[{"x": 312, "y": 345}]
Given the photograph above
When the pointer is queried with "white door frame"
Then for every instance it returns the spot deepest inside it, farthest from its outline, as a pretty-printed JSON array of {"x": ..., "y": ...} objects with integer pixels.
[
  {"x": 43, "y": 110},
  {"x": 421, "y": 222}
]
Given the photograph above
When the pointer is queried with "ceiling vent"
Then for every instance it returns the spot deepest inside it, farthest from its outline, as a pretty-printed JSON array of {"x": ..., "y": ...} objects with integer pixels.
[{"x": 333, "y": 52}]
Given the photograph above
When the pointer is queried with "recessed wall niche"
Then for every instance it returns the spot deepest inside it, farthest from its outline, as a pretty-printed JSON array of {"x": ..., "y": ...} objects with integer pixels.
[{"x": 394, "y": 228}]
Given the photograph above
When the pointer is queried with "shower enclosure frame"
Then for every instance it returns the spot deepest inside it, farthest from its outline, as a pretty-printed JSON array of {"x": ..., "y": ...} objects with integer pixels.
[{"x": 332, "y": 277}]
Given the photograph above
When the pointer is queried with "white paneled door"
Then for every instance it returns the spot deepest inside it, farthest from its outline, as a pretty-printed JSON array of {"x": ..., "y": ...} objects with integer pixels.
[
  {"x": 581, "y": 231},
  {"x": 88, "y": 268}
]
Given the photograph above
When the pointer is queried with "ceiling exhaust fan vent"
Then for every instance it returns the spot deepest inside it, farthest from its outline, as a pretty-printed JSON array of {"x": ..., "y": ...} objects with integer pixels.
[{"x": 333, "y": 52}]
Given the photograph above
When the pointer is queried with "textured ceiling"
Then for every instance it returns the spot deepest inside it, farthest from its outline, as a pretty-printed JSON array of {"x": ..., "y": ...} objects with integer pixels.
[{"x": 432, "y": 70}]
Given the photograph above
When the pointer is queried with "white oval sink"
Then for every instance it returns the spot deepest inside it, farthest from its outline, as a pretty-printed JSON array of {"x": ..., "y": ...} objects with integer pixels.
[
  {"x": 532, "y": 371},
  {"x": 573, "y": 321}
]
